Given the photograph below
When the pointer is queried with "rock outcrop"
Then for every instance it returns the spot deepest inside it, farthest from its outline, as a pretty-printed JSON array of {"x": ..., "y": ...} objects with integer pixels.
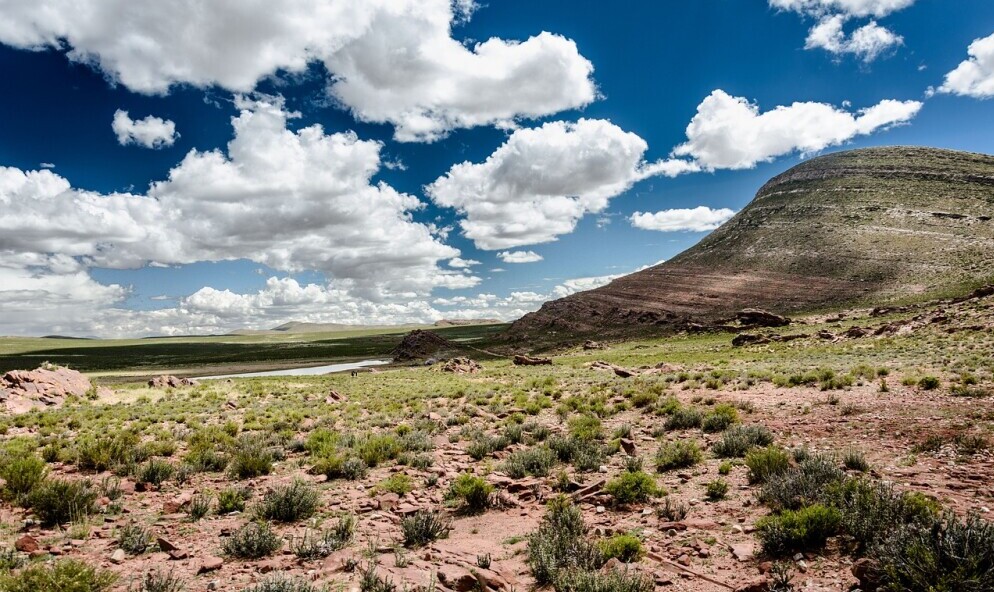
[
  {"x": 419, "y": 344},
  {"x": 46, "y": 386}
]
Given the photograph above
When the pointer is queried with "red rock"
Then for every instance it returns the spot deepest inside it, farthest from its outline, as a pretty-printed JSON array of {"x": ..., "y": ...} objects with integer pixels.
[
  {"x": 166, "y": 545},
  {"x": 759, "y": 584},
  {"x": 26, "y": 544},
  {"x": 743, "y": 551},
  {"x": 209, "y": 564}
]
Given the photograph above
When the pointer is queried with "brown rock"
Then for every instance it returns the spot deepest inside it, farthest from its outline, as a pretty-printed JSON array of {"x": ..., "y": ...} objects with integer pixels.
[
  {"x": 743, "y": 551},
  {"x": 166, "y": 545},
  {"x": 209, "y": 564},
  {"x": 628, "y": 446},
  {"x": 759, "y": 584},
  {"x": 865, "y": 570},
  {"x": 523, "y": 360},
  {"x": 26, "y": 544}
]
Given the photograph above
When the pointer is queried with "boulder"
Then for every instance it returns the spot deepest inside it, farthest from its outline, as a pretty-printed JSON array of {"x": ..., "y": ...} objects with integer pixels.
[
  {"x": 166, "y": 381},
  {"x": 523, "y": 360},
  {"x": 761, "y": 318},
  {"x": 48, "y": 385},
  {"x": 461, "y": 366}
]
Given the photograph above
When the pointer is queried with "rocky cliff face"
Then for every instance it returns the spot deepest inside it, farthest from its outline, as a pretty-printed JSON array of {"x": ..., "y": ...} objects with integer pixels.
[{"x": 878, "y": 224}]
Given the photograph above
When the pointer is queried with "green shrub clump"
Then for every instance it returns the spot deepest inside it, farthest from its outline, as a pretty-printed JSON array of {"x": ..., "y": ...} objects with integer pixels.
[
  {"x": 252, "y": 541},
  {"x": 423, "y": 527},
  {"x": 802, "y": 530},
  {"x": 560, "y": 544},
  {"x": 473, "y": 493},
  {"x": 57, "y": 501},
  {"x": 625, "y": 547},
  {"x": 536, "y": 462},
  {"x": 632, "y": 487},
  {"x": 764, "y": 463},
  {"x": 67, "y": 575},
  {"x": 740, "y": 439},
  {"x": 289, "y": 503},
  {"x": 720, "y": 418},
  {"x": 681, "y": 454}
]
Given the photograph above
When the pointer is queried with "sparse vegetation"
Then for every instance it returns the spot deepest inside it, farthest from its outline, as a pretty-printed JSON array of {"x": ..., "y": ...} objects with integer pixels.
[
  {"x": 252, "y": 541},
  {"x": 423, "y": 527}
]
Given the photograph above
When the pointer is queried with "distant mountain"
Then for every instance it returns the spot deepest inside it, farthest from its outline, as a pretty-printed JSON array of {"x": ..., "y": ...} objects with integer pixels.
[
  {"x": 297, "y": 327},
  {"x": 864, "y": 226}
]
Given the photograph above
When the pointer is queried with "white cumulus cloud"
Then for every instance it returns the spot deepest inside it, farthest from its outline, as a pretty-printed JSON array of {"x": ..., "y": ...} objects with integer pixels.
[
  {"x": 292, "y": 200},
  {"x": 392, "y": 61},
  {"x": 541, "y": 181},
  {"x": 731, "y": 133},
  {"x": 866, "y": 42},
  {"x": 699, "y": 219},
  {"x": 150, "y": 132},
  {"x": 519, "y": 256},
  {"x": 974, "y": 77},
  {"x": 852, "y": 8}
]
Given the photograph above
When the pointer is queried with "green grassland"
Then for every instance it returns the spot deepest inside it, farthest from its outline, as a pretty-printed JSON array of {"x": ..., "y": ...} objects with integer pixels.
[{"x": 217, "y": 354}]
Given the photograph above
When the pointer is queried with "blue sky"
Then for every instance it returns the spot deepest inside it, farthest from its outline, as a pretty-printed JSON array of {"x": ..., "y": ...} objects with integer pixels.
[{"x": 677, "y": 111}]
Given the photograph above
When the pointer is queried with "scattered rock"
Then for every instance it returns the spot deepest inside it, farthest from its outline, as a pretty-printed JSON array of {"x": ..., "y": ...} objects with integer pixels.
[
  {"x": 117, "y": 556},
  {"x": 761, "y": 318},
  {"x": 759, "y": 584},
  {"x": 523, "y": 360},
  {"x": 26, "y": 544},
  {"x": 588, "y": 345},
  {"x": 209, "y": 564},
  {"x": 167, "y": 381},
  {"x": 461, "y": 366},
  {"x": 743, "y": 551}
]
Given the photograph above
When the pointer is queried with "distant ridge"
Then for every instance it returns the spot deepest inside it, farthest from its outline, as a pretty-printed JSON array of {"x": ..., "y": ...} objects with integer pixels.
[
  {"x": 871, "y": 225},
  {"x": 300, "y": 327}
]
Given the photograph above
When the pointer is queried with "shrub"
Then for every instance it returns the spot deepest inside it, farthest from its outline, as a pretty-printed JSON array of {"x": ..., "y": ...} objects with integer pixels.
[
  {"x": 484, "y": 445},
  {"x": 672, "y": 511},
  {"x": 336, "y": 465},
  {"x": 870, "y": 511},
  {"x": 200, "y": 506},
  {"x": 720, "y": 418},
  {"x": 625, "y": 547},
  {"x": 586, "y": 427},
  {"x": 629, "y": 488},
  {"x": 534, "y": 461},
  {"x": 802, "y": 530},
  {"x": 738, "y": 440},
  {"x": 160, "y": 581},
  {"x": 423, "y": 527},
  {"x": 252, "y": 541},
  {"x": 326, "y": 542},
  {"x": 854, "y": 460},
  {"x": 398, "y": 483},
  {"x": 559, "y": 543},
  {"x": 684, "y": 418},
  {"x": 55, "y": 501},
  {"x": 155, "y": 472},
  {"x": 577, "y": 580},
  {"x": 67, "y": 575},
  {"x": 251, "y": 459},
  {"x": 232, "y": 499},
  {"x": 370, "y": 582},
  {"x": 134, "y": 538},
  {"x": 473, "y": 492},
  {"x": 716, "y": 490},
  {"x": 206, "y": 457},
  {"x": 21, "y": 473},
  {"x": 585, "y": 455},
  {"x": 378, "y": 448},
  {"x": 282, "y": 583},
  {"x": 766, "y": 462},
  {"x": 944, "y": 555},
  {"x": 929, "y": 383},
  {"x": 801, "y": 485},
  {"x": 289, "y": 503},
  {"x": 678, "y": 455}
]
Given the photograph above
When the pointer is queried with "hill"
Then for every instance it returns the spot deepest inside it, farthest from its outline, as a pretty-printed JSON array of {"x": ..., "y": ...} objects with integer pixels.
[{"x": 874, "y": 225}]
